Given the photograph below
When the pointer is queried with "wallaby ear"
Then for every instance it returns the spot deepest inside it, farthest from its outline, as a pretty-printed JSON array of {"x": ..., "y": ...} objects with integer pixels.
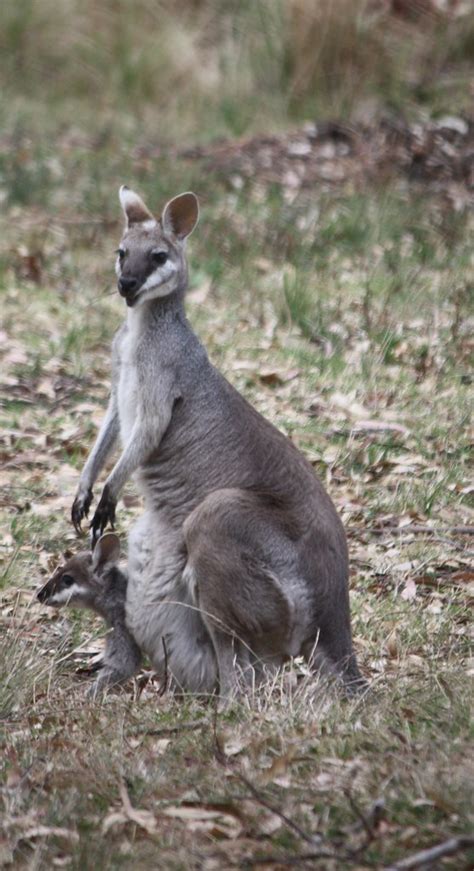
[
  {"x": 181, "y": 215},
  {"x": 107, "y": 550},
  {"x": 133, "y": 206}
]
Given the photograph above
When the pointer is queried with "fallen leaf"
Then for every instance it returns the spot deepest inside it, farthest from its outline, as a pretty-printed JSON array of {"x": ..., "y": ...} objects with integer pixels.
[
  {"x": 368, "y": 426},
  {"x": 219, "y": 823},
  {"x": 279, "y": 767},
  {"x": 275, "y": 377},
  {"x": 142, "y": 818},
  {"x": 409, "y": 591}
]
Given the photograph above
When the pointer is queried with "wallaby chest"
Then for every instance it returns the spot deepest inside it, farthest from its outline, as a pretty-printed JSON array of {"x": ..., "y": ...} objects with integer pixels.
[{"x": 127, "y": 382}]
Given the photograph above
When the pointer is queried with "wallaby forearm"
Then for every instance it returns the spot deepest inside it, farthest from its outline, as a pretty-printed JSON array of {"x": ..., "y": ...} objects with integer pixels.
[
  {"x": 103, "y": 446},
  {"x": 144, "y": 440}
]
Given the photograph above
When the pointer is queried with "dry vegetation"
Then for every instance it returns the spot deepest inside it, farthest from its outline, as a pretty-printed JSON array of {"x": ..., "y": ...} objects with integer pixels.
[{"x": 331, "y": 280}]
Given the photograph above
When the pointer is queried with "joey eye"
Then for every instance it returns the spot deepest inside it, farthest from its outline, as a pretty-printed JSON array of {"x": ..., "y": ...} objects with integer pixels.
[
  {"x": 159, "y": 257},
  {"x": 67, "y": 580}
]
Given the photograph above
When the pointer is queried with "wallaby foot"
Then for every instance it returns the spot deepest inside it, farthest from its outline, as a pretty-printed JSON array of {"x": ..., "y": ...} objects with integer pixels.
[
  {"x": 108, "y": 678},
  {"x": 343, "y": 670}
]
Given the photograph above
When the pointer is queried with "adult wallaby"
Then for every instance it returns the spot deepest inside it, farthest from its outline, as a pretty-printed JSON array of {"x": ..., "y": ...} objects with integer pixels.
[
  {"x": 240, "y": 556},
  {"x": 94, "y": 581}
]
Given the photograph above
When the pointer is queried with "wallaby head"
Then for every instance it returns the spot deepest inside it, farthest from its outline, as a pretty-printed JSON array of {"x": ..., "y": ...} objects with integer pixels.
[
  {"x": 151, "y": 259},
  {"x": 81, "y": 581}
]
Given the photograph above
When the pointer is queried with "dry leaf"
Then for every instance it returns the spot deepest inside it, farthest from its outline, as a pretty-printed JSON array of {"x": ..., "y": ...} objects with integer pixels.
[
  {"x": 232, "y": 744},
  {"x": 216, "y": 822},
  {"x": 278, "y": 770},
  {"x": 142, "y": 818},
  {"x": 51, "y": 832},
  {"x": 369, "y": 426},
  {"x": 276, "y": 377},
  {"x": 409, "y": 590}
]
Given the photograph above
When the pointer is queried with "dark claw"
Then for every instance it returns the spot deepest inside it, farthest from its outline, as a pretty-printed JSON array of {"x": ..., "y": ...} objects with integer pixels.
[
  {"x": 104, "y": 514},
  {"x": 80, "y": 509}
]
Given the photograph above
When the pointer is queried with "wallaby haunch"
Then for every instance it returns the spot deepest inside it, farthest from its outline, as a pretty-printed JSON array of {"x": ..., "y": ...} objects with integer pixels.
[
  {"x": 94, "y": 581},
  {"x": 240, "y": 556}
]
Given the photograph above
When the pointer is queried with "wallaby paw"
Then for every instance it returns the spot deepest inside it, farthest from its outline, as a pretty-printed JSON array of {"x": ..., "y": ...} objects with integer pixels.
[
  {"x": 104, "y": 514},
  {"x": 80, "y": 508}
]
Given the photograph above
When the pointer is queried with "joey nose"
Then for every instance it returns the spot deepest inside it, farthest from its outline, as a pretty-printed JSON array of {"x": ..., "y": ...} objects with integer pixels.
[{"x": 127, "y": 285}]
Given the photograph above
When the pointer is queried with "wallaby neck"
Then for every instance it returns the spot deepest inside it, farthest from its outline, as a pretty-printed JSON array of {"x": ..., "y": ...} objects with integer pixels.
[{"x": 160, "y": 312}]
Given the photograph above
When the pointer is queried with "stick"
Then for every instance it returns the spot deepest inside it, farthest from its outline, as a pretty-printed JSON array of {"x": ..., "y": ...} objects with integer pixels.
[
  {"x": 165, "y": 675},
  {"x": 416, "y": 530},
  {"x": 310, "y": 839},
  {"x": 447, "y": 848},
  {"x": 297, "y": 859},
  {"x": 169, "y": 730}
]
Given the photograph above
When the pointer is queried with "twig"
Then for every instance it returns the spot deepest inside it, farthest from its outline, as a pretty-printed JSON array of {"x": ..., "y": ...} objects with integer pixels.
[
  {"x": 165, "y": 675},
  {"x": 169, "y": 730},
  {"x": 366, "y": 823},
  {"x": 296, "y": 859},
  {"x": 310, "y": 839},
  {"x": 447, "y": 848},
  {"x": 416, "y": 530},
  {"x": 219, "y": 753}
]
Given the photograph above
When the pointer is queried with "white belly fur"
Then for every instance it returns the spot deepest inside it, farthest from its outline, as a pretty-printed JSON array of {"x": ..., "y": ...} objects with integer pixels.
[
  {"x": 160, "y": 606},
  {"x": 127, "y": 392}
]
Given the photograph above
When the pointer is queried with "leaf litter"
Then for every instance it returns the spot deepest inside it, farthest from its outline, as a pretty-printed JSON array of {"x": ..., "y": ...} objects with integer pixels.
[{"x": 411, "y": 593}]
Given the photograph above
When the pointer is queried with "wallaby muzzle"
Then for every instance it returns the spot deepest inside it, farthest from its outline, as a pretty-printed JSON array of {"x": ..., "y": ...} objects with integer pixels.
[{"x": 127, "y": 287}]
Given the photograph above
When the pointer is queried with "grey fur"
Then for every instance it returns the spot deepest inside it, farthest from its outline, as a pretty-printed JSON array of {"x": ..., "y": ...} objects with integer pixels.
[
  {"x": 94, "y": 581},
  {"x": 240, "y": 557}
]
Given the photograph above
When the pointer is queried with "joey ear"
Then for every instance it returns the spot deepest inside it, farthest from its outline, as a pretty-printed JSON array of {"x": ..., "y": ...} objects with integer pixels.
[
  {"x": 180, "y": 215},
  {"x": 133, "y": 206},
  {"x": 107, "y": 550}
]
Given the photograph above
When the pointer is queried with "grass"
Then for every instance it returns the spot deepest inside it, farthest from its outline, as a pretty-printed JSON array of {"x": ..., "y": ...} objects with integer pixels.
[
  {"x": 347, "y": 324},
  {"x": 345, "y": 315},
  {"x": 197, "y": 69}
]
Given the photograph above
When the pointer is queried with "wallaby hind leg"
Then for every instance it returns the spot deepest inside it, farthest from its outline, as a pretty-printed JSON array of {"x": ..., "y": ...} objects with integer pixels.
[{"x": 236, "y": 586}]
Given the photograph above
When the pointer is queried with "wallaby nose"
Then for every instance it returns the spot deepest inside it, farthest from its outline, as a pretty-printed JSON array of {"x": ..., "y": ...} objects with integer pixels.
[{"x": 127, "y": 285}]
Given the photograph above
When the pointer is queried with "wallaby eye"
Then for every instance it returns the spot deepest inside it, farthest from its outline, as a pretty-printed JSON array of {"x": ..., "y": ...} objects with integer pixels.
[
  {"x": 67, "y": 580},
  {"x": 121, "y": 253},
  {"x": 159, "y": 257}
]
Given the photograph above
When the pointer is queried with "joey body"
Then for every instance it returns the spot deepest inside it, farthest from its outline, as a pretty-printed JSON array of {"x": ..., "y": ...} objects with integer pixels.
[
  {"x": 240, "y": 557},
  {"x": 95, "y": 581}
]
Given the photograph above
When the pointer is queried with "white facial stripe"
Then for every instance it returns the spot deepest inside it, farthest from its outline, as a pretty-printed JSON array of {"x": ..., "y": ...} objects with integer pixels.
[
  {"x": 64, "y": 596},
  {"x": 159, "y": 276}
]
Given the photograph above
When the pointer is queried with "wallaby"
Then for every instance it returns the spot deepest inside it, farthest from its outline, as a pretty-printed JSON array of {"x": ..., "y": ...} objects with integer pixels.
[
  {"x": 240, "y": 556},
  {"x": 94, "y": 581}
]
